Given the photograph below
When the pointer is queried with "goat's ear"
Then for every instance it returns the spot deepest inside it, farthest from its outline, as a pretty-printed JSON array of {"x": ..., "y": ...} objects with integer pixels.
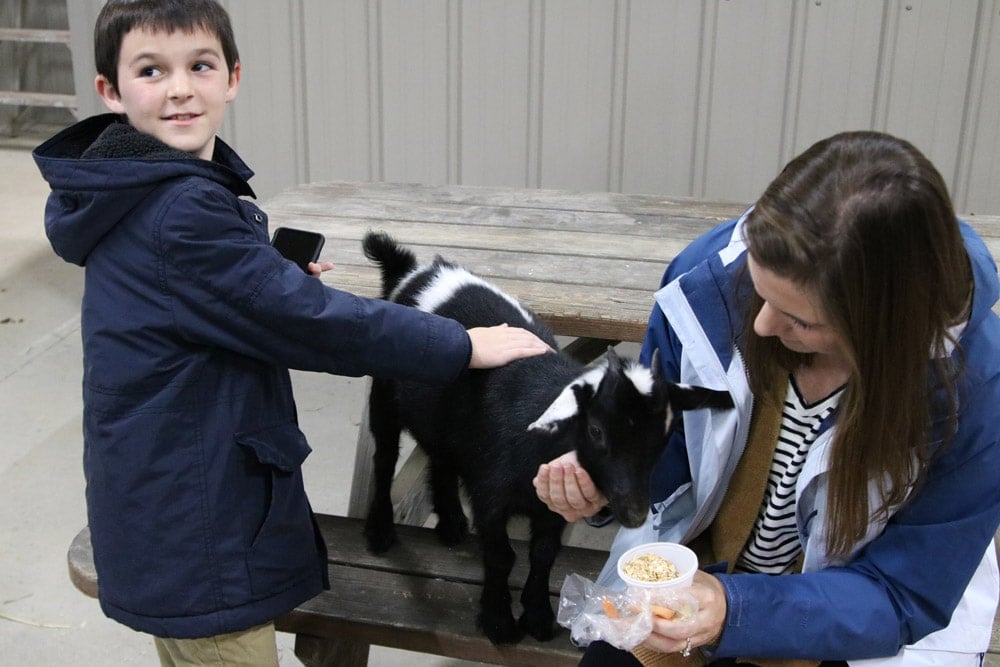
[
  {"x": 661, "y": 388},
  {"x": 583, "y": 393},
  {"x": 567, "y": 404},
  {"x": 689, "y": 397},
  {"x": 614, "y": 361}
]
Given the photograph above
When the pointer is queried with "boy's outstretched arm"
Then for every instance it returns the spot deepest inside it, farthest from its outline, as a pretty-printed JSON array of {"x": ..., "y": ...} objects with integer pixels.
[
  {"x": 491, "y": 346},
  {"x": 499, "y": 345}
]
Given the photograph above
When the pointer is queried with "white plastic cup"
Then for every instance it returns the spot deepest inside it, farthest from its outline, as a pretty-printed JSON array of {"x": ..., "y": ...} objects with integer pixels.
[{"x": 683, "y": 559}]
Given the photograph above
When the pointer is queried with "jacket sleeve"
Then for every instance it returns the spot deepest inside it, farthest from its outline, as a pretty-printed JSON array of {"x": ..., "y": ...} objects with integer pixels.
[
  {"x": 230, "y": 289},
  {"x": 904, "y": 584}
]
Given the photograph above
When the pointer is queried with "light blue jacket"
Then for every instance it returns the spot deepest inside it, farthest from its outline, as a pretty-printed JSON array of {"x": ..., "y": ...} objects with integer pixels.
[{"x": 920, "y": 589}]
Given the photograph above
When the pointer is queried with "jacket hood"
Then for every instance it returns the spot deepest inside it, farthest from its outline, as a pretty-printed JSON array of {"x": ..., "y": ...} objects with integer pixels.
[
  {"x": 101, "y": 167},
  {"x": 984, "y": 273}
]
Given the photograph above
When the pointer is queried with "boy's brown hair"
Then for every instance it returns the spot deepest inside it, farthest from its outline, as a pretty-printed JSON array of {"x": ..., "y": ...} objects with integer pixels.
[{"x": 119, "y": 17}]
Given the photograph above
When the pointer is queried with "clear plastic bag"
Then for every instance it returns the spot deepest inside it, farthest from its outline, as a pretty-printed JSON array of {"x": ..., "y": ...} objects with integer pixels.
[{"x": 623, "y": 619}]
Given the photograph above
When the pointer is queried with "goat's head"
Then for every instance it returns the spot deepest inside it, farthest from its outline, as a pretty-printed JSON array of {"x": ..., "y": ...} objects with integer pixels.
[{"x": 620, "y": 412}]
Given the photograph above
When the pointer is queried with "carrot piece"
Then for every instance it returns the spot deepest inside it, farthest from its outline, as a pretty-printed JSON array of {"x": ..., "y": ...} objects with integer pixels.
[
  {"x": 609, "y": 608},
  {"x": 663, "y": 612}
]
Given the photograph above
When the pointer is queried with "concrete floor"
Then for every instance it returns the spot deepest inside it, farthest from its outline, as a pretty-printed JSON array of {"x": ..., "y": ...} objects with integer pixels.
[{"x": 44, "y": 620}]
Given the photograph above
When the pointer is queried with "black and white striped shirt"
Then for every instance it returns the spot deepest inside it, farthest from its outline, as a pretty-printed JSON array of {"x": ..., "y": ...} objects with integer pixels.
[{"x": 774, "y": 544}]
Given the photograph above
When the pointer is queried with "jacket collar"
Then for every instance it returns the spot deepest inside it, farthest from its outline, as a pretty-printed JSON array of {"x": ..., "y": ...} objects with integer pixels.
[{"x": 89, "y": 155}]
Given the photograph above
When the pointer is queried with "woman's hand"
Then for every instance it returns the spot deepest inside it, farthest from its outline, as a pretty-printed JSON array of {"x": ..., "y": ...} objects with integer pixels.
[
  {"x": 566, "y": 488},
  {"x": 500, "y": 345},
  {"x": 674, "y": 636}
]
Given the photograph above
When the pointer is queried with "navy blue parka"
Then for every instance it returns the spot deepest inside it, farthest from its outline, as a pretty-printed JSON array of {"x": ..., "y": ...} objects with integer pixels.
[{"x": 190, "y": 320}]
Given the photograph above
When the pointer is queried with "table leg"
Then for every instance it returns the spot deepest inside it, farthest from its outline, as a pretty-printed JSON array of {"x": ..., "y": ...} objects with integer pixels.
[
  {"x": 586, "y": 350},
  {"x": 318, "y": 652},
  {"x": 361, "y": 482},
  {"x": 410, "y": 495}
]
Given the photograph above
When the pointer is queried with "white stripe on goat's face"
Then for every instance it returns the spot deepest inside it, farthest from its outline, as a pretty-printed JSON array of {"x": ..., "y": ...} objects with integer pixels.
[
  {"x": 450, "y": 279},
  {"x": 565, "y": 406}
]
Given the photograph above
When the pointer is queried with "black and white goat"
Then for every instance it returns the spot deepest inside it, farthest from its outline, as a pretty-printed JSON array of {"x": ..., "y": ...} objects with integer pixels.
[{"x": 492, "y": 429}]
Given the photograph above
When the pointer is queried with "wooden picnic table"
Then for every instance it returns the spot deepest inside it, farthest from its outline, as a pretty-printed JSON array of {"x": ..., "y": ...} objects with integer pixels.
[{"x": 587, "y": 263}]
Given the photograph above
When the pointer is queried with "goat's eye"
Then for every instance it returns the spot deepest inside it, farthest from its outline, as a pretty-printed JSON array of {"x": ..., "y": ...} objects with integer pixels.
[{"x": 595, "y": 434}]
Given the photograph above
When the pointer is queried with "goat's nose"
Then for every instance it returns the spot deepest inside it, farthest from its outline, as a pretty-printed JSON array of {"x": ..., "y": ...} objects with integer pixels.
[{"x": 633, "y": 515}]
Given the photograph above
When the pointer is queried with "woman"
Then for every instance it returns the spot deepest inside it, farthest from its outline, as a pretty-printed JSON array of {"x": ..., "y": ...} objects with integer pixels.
[{"x": 850, "y": 499}]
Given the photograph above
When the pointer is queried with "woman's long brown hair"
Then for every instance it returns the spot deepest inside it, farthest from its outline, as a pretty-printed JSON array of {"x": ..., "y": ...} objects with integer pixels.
[{"x": 864, "y": 220}]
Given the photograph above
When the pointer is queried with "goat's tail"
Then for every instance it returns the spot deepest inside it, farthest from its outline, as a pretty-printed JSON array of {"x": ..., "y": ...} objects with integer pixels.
[{"x": 394, "y": 260}]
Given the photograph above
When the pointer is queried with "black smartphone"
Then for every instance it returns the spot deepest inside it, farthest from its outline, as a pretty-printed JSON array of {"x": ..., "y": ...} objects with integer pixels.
[{"x": 298, "y": 245}]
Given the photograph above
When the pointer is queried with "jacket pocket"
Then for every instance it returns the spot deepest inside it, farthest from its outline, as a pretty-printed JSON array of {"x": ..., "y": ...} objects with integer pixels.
[
  {"x": 283, "y": 447},
  {"x": 283, "y": 551}
]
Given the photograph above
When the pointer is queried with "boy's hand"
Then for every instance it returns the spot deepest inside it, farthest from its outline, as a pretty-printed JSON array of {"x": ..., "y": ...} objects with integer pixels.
[
  {"x": 316, "y": 268},
  {"x": 500, "y": 345},
  {"x": 566, "y": 488}
]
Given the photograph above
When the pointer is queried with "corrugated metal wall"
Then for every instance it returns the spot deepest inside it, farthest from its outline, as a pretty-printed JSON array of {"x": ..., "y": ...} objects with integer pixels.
[
  {"x": 678, "y": 97},
  {"x": 40, "y": 67}
]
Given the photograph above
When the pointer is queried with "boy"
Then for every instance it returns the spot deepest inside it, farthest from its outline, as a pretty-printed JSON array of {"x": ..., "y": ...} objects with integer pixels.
[{"x": 201, "y": 528}]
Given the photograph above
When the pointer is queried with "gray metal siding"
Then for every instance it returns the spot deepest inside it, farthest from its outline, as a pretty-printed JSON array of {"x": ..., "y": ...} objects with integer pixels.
[{"x": 677, "y": 97}]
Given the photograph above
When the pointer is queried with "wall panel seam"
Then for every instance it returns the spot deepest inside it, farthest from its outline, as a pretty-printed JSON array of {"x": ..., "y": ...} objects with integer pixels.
[
  {"x": 535, "y": 101},
  {"x": 698, "y": 179},
  {"x": 791, "y": 109},
  {"x": 619, "y": 96},
  {"x": 301, "y": 102},
  {"x": 972, "y": 104},
  {"x": 376, "y": 135},
  {"x": 883, "y": 73},
  {"x": 453, "y": 85}
]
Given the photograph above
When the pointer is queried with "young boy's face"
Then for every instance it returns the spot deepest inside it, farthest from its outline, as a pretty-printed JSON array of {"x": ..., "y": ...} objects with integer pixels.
[{"x": 174, "y": 86}]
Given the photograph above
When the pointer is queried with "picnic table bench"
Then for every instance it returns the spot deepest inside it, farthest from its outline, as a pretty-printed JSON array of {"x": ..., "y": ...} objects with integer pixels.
[{"x": 588, "y": 264}]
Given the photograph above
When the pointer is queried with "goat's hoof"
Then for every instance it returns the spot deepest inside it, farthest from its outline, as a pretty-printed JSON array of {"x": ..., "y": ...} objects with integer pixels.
[
  {"x": 379, "y": 539},
  {"x": 500, "y": 628},
  {"x": 451, "y": 533},
  {"x": 540, "y": 625}
]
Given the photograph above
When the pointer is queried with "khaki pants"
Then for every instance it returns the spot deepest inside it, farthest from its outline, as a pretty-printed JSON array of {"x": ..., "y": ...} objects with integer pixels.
[{"x": 256, "y": 647}]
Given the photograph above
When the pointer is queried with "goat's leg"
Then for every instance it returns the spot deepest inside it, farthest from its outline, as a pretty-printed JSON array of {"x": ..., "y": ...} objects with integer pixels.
[
  {"x": 538, "y": 619},
  {"x": 452, "y": 526},
  {"x": 495, "y": 617},
  {"x": 383, "y": 419}
]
